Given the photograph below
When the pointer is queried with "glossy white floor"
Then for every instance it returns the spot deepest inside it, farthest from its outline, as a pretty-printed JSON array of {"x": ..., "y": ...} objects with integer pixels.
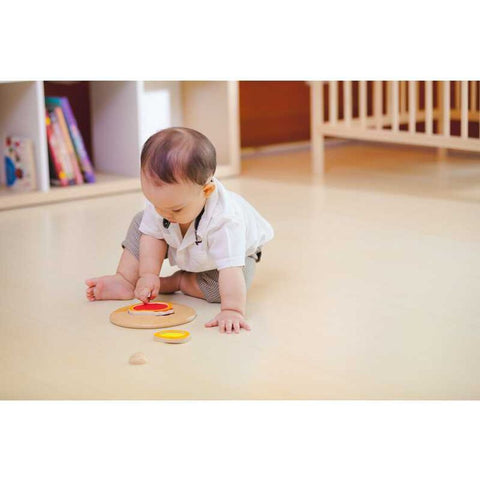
[{"x": 370, "y": 290}]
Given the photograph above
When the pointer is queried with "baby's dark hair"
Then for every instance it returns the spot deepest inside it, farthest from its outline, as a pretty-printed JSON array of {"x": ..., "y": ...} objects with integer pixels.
[{"x": 177, "y": 153}]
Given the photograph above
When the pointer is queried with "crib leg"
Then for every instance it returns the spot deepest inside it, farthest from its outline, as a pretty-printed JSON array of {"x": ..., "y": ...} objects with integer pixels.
[
  {"x": 441, "y": 153},
  {"x": 318, "y": 154},
  {"x": 442, "y": 167}
]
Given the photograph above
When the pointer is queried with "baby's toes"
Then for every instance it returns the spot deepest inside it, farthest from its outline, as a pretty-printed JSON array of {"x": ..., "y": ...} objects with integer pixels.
[
  {"x": 90, "y": 294},
  {"x": 91, "y": 282}
]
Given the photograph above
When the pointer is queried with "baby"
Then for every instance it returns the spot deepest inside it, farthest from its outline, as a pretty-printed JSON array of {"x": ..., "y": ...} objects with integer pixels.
[{"x": 213, "y": 235}]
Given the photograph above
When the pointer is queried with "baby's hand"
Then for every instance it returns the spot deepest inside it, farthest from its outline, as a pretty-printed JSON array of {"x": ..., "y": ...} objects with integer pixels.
[
  {"x": 228, "y": 320},
  {"x": 147, "y": 287}
]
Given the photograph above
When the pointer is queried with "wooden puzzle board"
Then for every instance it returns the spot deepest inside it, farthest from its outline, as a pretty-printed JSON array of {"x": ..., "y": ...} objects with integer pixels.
[{"x": 182, "y": 314}]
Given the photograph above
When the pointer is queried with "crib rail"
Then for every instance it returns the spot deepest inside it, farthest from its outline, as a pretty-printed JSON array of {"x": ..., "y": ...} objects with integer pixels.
[{"x": 442, "y": 114}]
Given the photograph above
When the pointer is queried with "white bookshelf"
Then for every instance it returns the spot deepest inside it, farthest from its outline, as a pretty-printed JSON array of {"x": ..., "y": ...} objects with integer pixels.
[{"x": 123, "y": 115}]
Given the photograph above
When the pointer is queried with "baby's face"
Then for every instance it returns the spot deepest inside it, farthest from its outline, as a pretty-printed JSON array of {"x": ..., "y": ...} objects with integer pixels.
[{"x": 177, "y": 202}]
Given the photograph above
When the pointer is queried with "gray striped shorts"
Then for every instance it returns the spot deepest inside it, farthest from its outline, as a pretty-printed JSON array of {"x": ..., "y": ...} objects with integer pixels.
[{"x": 207, "y": 281}]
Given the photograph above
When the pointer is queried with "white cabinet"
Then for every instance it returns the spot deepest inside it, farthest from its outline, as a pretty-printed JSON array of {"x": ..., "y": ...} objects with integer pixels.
[{"x": 123, "y": 115}]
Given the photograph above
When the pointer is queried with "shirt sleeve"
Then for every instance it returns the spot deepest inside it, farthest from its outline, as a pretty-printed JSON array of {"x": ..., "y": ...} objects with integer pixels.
[
  {"x": 227, "y": 244},
  {"x": 151, "y": 222}
]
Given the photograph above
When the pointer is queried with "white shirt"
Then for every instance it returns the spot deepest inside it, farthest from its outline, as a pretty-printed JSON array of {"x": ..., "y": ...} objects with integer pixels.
[{"x": 230, "y": 230}]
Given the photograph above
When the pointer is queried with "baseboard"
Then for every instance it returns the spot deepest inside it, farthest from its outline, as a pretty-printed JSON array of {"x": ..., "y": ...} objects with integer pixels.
[{"x": 288, "y": 147}]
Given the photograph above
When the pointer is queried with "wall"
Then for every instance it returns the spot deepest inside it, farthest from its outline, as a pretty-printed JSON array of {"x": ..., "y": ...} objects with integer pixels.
[{"x": 274, "y": 112}]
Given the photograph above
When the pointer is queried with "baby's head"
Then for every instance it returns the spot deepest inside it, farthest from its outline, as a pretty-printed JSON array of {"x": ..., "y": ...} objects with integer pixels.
[{"x": 177, "y": 166}]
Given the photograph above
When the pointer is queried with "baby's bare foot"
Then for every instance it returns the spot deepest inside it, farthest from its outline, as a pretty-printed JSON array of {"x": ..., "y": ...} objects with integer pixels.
[{"x": 109, "y": 287}]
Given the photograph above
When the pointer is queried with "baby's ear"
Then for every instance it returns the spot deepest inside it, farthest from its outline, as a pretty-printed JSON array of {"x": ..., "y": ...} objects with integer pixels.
[{"x": 208, "y": 189}]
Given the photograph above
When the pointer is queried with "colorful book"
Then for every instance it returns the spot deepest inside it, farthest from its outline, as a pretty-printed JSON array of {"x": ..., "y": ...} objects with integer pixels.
[
  {"x": 20, "y": 164},
  {"x": 68, "y": 143},
  {"x": 80, "y": 150},
  {"x": 62, "y": 153},
  {"x": 57, "y": 173}
]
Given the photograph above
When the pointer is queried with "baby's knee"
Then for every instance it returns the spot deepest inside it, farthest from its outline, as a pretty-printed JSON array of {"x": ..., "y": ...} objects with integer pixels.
[
  {"x": 215, "y": 299},
  {"x": 190, "y": 284},
  {"x": 208, "y": 284}
]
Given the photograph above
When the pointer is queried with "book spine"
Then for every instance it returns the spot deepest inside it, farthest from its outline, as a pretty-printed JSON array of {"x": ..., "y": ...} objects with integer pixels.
[
  {"x": 68, "y": 142},
  {"x": 77, "y": 138},
  {"x": 55, "y": 155},
  {"x": 62, "y": 149}
]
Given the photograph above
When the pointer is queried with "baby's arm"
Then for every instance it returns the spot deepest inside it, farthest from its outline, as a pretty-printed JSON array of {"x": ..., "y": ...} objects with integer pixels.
[
  {"x": 152, "y": 253},
  {"x": 233, "y": 295}
]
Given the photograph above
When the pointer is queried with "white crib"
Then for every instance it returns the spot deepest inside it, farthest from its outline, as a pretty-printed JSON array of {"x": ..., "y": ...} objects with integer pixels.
[{"x": 425, "y": 113}]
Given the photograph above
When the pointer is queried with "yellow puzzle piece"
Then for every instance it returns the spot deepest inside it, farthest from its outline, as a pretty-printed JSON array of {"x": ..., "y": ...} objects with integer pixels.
[{"x": 172, "y": 336}]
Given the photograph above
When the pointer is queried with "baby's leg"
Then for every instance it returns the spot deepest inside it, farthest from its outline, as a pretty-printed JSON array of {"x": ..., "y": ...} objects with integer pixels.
[
  {"x": 207, "y": 282},
  {"x": 186, "y": 282},
  {"x": 121, "y": 285}
]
